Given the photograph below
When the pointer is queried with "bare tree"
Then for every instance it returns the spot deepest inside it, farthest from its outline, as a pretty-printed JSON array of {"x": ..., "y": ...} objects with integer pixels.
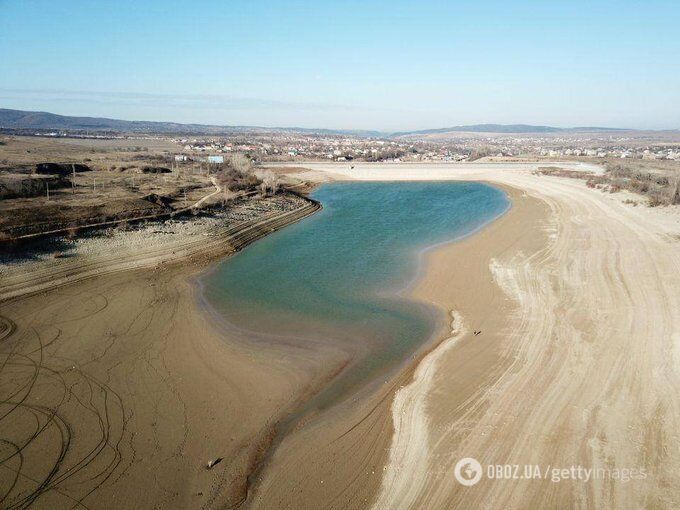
[
  {"x": 270, "y": 181},
  {"x": 237, "y": 174},
  {"x": 241, "y": 163}
]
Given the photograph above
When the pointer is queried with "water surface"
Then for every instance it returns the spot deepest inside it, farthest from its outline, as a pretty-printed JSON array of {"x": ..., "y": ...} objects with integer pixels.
[{"x": 338, "y": 275}]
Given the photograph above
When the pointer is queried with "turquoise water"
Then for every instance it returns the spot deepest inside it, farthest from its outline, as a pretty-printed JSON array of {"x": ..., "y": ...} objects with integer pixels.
[{"x": 336, "y": 276}]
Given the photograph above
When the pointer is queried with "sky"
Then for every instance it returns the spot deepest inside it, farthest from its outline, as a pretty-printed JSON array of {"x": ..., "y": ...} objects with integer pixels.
[{"x": 383, "y": 65}]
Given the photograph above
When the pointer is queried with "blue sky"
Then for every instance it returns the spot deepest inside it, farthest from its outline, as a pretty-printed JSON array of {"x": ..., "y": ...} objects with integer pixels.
[{"x": 354, "y": 64}]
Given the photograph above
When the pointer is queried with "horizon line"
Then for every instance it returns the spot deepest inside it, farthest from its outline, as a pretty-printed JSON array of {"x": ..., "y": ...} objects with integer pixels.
[{"x": 458, "y": 127}]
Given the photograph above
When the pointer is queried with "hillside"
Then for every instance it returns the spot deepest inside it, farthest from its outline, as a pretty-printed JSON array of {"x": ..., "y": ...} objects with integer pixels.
[
  {"x": 26, "y": 120},
  {"x": 504, "y": 128}
]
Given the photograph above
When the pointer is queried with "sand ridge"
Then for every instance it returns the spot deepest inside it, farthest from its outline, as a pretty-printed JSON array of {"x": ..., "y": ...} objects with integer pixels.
[{"x": 408, "y": 464}]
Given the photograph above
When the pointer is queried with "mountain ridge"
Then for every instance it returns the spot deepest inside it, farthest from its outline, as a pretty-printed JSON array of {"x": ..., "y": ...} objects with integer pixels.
[
  {"x": 25, "y": 120},
  {"x": 22, "y": 119},
  {"x": 506, "y": 128}
]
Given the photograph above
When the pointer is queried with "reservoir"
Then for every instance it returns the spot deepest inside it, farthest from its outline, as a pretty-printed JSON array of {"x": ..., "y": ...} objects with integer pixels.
[{"x": 341, "y": 275}]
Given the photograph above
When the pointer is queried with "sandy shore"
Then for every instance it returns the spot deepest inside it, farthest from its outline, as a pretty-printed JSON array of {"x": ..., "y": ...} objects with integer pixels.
[
  {"x": 370, "y": 451},
  {"x": 117, "y": 389},
  {"x": 576, "y": 297},
  {"x": 577, "y": 362}
]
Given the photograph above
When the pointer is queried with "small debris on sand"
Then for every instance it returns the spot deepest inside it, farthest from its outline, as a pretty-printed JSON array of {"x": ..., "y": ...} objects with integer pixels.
[{"x": 213, "y": 463}]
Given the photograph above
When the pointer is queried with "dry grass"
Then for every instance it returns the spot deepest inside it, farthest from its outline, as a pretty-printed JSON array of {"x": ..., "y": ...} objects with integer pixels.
[
  {"x": 123, "y": 183},
  {"x": 17, "y": 150},
  {"x": 659, "y": 187},
  {"x": 557, "y": 171},
  {"x": 658, "y": 181}
]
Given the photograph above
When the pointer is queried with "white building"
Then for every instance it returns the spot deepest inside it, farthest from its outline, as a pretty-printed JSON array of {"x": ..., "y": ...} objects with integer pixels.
[{"x": 216, "y": 159}]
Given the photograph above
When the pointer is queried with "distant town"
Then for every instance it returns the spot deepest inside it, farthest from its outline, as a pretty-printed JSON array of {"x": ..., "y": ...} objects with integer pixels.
[{"x": 290, "y": 147}]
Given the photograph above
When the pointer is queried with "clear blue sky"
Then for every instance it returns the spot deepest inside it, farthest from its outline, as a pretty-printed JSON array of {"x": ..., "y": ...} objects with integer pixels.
[{"x": 388, "y": 65}]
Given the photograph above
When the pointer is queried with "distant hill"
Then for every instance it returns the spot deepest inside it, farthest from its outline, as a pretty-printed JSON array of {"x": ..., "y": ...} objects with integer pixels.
[
  {"x": 503, "y": 128},
  {"x": 24, "y": 120}
]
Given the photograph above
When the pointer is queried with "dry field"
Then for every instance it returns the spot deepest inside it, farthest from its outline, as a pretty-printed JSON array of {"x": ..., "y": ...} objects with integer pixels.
[{"x": 117, "y": 181}]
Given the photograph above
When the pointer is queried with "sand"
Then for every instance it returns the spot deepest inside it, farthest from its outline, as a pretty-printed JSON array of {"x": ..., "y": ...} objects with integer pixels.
[
  {"x": 144, "y": 393},
  {"x": 576, "y": 295},
  {"x": 118, "y": 389},
  {"x": 577, "y": 362},
  {"x": 407, "y": 469},
  {"x": 358, "y": 455}
]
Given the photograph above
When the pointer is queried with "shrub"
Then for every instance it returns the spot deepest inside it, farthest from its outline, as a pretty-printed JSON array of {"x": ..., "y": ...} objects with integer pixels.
[
  {"x": 237, "y": 174},
  {"x": 675, "y": 191}
]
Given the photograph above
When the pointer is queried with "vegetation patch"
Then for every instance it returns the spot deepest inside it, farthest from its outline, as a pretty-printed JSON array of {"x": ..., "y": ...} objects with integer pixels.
[{"x": 658, "y": 188}]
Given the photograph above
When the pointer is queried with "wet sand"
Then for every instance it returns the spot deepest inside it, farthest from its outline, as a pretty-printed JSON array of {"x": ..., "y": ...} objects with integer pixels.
[
  {"x": 120, "y": 385},
  {"x": 118, "y": 388}
]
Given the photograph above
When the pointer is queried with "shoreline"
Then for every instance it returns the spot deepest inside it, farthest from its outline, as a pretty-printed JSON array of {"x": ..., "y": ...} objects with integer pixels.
[
  {"x": 424, "y": 254},
  {"x": 221, "y": 243},
  {"x": 584, "y": 370},
  {"x": 369, "y": 389},
  {"x": 563, "y": 287},
  {"x": 367, "y": 418},
  {"x": 166, "y": 266},
  {"x": 388, "y": 479},
  {"x": 452, "y": 272},
  {"x": 137, "y": 326}
]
